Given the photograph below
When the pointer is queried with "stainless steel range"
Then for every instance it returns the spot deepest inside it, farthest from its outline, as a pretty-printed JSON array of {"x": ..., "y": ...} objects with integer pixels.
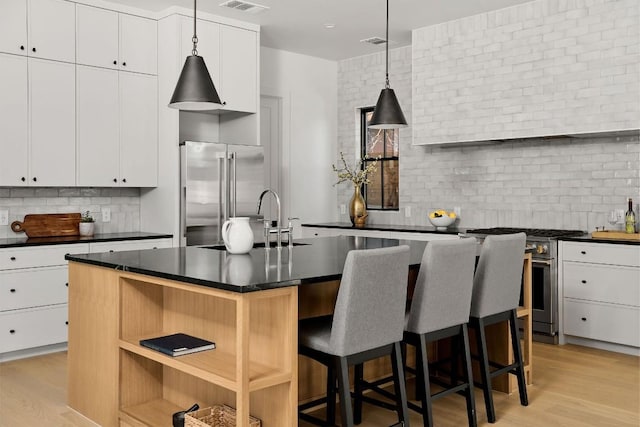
[{"x": 544, "y": 283}]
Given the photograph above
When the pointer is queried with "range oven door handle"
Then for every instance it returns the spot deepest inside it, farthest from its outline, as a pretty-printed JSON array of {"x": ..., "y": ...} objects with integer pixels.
[{"x": 540, "y": 261}]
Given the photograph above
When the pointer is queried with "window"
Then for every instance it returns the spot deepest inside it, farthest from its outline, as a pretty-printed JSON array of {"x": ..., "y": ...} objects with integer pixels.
[{"x": 382, "y": 193}]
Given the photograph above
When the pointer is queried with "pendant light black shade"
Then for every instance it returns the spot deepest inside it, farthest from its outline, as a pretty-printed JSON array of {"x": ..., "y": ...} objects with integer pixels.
[
  {"x": 195, "y": 90},
  {"x": 387, "y": 114}
]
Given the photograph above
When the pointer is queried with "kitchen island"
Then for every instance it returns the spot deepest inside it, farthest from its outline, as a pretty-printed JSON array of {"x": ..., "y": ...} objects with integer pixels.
[{"x": 247, "y": 304}]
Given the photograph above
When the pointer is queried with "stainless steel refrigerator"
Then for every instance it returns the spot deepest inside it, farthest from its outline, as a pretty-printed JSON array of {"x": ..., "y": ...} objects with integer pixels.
[{"x": 218, "y": 181}]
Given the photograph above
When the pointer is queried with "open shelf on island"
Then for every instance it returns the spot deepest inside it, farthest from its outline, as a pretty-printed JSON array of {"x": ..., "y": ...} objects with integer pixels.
[{"x": 157, "y": 412}]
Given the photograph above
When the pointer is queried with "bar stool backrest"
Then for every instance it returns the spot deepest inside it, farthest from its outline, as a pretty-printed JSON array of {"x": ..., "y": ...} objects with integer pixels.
[
  {"x": 369, "y": 310},
  {"x": 442, "y": 296},
  {"x": 496, "y": 284}
]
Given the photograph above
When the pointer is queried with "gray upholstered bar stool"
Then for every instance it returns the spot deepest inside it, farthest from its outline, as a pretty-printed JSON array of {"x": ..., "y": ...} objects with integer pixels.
[
  {"x": 496, "y": 294},
  {"x": 367, "y": 323},
  {"x": 439, "y": 309}
]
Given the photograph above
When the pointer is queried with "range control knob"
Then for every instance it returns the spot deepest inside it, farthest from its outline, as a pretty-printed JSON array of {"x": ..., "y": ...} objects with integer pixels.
[{"x": 542, "y": 249}]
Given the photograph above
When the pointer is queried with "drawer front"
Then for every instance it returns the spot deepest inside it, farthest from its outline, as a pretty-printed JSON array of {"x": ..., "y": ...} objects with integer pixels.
[
  {"x": 604, "y": 283},
  {"x": 33, "y": 328},
  {"x": 617, "y": 324},
  {"x": 130, "y": 245},
  {"x": 38, "y": 256},
  {"x": 602, "y": 253},
  {"x": 33, "y": 287}
]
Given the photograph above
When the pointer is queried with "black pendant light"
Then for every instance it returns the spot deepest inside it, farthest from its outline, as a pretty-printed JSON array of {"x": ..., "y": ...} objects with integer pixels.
[
  {"x": 387, "y": 113},
  {"x": 195, "y": 90}
]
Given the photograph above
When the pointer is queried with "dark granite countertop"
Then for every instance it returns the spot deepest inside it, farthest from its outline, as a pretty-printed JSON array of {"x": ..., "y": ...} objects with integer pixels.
[
  {"x": 387, "y": 227},
  {"x": 587, "y": 238},
  {"x": 65, "y": 240},
  {"x": 313, "y": 260}
]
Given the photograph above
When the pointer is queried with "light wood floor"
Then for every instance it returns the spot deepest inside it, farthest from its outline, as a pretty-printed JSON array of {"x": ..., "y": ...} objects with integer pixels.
[{"x": 573, "y": 386}]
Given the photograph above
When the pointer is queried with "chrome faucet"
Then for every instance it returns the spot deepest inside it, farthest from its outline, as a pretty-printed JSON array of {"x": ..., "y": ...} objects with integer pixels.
[{"x": 267, "y": 222}]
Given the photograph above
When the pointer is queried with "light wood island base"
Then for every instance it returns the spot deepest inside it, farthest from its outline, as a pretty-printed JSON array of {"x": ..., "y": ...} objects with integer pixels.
[{"x": 114, "y": 381}]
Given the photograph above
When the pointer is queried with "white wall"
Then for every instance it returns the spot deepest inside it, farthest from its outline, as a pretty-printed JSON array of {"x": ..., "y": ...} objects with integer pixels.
[{"x": 309, "y": 92}]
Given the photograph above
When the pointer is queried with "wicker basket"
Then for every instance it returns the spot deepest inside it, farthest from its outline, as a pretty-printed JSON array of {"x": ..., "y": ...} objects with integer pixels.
[{"x": 216, "y": 416}]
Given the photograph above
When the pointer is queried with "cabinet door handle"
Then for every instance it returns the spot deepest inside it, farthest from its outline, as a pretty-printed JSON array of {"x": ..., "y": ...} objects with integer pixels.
[
  {"x": 115, "y": 179},
  {"x": 35, "y": 179},
  {"x": 21, "y": 47},
  {"x": 124, "y": 64},
  {"x": 12, "y": 258},
  {"x": 66, "y": 323},
  {"x": 115, "y": 62},
  {"x": 584, "y": 319},
  {"x": 583, "y": 252},
  {"x": 12, "y": 291},
  {"x": 12, "y": 331},
  {"x": 66, "y": 284},
  {"x": 23, "y": 179},
  {"x": 124, "y": 179},
  {"x": 583, "y": 281},
  {"x": 33, "y": 49}
]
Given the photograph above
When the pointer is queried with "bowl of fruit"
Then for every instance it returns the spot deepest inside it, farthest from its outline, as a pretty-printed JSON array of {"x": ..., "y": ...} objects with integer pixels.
[{"x": 441, "y": 219}]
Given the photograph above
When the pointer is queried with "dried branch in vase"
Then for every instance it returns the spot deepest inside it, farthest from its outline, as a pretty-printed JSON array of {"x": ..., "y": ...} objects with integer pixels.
[{"x": 357, "y": 175}]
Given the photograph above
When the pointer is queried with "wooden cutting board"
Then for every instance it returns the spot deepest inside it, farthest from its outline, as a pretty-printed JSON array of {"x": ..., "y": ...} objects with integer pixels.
[
  {"x": 48, "y": 225},
  {"x": 615, "y": 235}
]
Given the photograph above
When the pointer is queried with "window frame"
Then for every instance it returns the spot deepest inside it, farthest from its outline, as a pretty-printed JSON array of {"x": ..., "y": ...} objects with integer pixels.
[{"x": 364, "y": 136}]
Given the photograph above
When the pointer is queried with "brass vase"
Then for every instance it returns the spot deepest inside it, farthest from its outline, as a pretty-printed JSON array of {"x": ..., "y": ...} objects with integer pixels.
[{"x": 357, "y": 208}]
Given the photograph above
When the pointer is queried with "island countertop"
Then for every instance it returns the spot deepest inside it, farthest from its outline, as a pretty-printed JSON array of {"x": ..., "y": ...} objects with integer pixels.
[{"x": 309, "y": 261}]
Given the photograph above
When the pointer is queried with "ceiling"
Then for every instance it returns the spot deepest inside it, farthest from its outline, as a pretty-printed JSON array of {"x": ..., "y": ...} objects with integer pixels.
[{"x": 298, "y": 25}]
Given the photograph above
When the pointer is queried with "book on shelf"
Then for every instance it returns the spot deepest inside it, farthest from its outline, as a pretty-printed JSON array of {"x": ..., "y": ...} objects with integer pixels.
[{"x": 178, "y": 344}]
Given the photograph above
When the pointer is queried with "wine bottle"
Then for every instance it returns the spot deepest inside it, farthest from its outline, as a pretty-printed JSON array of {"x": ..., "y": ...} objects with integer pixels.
[{"x": 630, "y": 219}]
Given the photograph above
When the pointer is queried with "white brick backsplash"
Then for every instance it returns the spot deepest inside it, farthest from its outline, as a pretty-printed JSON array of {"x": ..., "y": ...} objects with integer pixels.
[
  {"x": 546, "y": 183},
  {"x": 123, "y": 202},
  {"x": 576, "y": 60}
]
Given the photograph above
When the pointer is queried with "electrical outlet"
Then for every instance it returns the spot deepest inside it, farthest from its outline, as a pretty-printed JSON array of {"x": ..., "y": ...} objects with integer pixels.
[
  {"x": 456, "y": 210},
  {"x": 106, "y": 214},
  {"x": 343, "y": 209},
  {"x": 4, "y": 217},
  {"x": 407, "y": 211}
]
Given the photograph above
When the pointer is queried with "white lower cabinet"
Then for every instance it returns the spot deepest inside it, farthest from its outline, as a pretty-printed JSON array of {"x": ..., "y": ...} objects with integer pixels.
[
  {"x": 600, "y": 290},
  {"x": 34, "y": 293}
]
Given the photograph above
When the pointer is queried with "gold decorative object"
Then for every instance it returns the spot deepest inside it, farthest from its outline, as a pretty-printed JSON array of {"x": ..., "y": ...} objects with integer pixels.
[
  {"x": 358, "y": 176},
  {"x": 357, "y": 208}
]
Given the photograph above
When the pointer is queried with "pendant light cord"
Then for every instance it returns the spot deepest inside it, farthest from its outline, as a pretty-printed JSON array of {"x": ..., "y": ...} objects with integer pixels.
[
  {"x": 194, "y": 39},
  {"x": 387, "y": 48}
]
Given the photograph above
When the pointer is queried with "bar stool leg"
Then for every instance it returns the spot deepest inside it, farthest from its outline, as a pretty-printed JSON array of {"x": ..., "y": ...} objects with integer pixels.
[
  {"x": 486, "y": 373},
  {"x": 517, "y": 353},
  {"x": 471, "y": 401},
  {"x": 358, "y": 377},
  {"x": 425, "y": 392},
  {"x": 344, "y": 391},
  {"x": 331, "y": 395},
  {"x": 399, "y": 383}
]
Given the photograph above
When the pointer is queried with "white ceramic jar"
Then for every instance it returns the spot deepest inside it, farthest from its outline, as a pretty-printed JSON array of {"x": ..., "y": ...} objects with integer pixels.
[{"x": 237, "y": 235}]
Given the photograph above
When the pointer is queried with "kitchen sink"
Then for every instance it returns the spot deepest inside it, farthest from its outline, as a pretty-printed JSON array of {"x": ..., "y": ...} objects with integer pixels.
[{"x": 255, "y": 245}]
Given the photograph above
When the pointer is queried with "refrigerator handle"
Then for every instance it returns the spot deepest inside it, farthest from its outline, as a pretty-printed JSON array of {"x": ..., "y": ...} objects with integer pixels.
[
  {"x": 234, "y": 182},
  {"x": 220, "y": 187}
]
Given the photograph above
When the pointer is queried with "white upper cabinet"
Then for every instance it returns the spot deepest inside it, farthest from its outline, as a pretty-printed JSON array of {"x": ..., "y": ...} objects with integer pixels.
[
  {"x": 13, "y": 120},
  {"x": 208, "y": 45},
  {"x": 38, "y": 28},
  {"x": 97, "y": 37},
  {"x": 52, "y": 121},
  {"x": 138, "y": 130},
  {"x": 117, "y": 128},
  {"x": 239, "y": 69},
  {"x": 52, "y": 32},
  {"x": 138, "y": 44},
  {"x": 116, "y": 40},
  {"x": 13, "y": 26},
  {"x": 97, "y": 126}
]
